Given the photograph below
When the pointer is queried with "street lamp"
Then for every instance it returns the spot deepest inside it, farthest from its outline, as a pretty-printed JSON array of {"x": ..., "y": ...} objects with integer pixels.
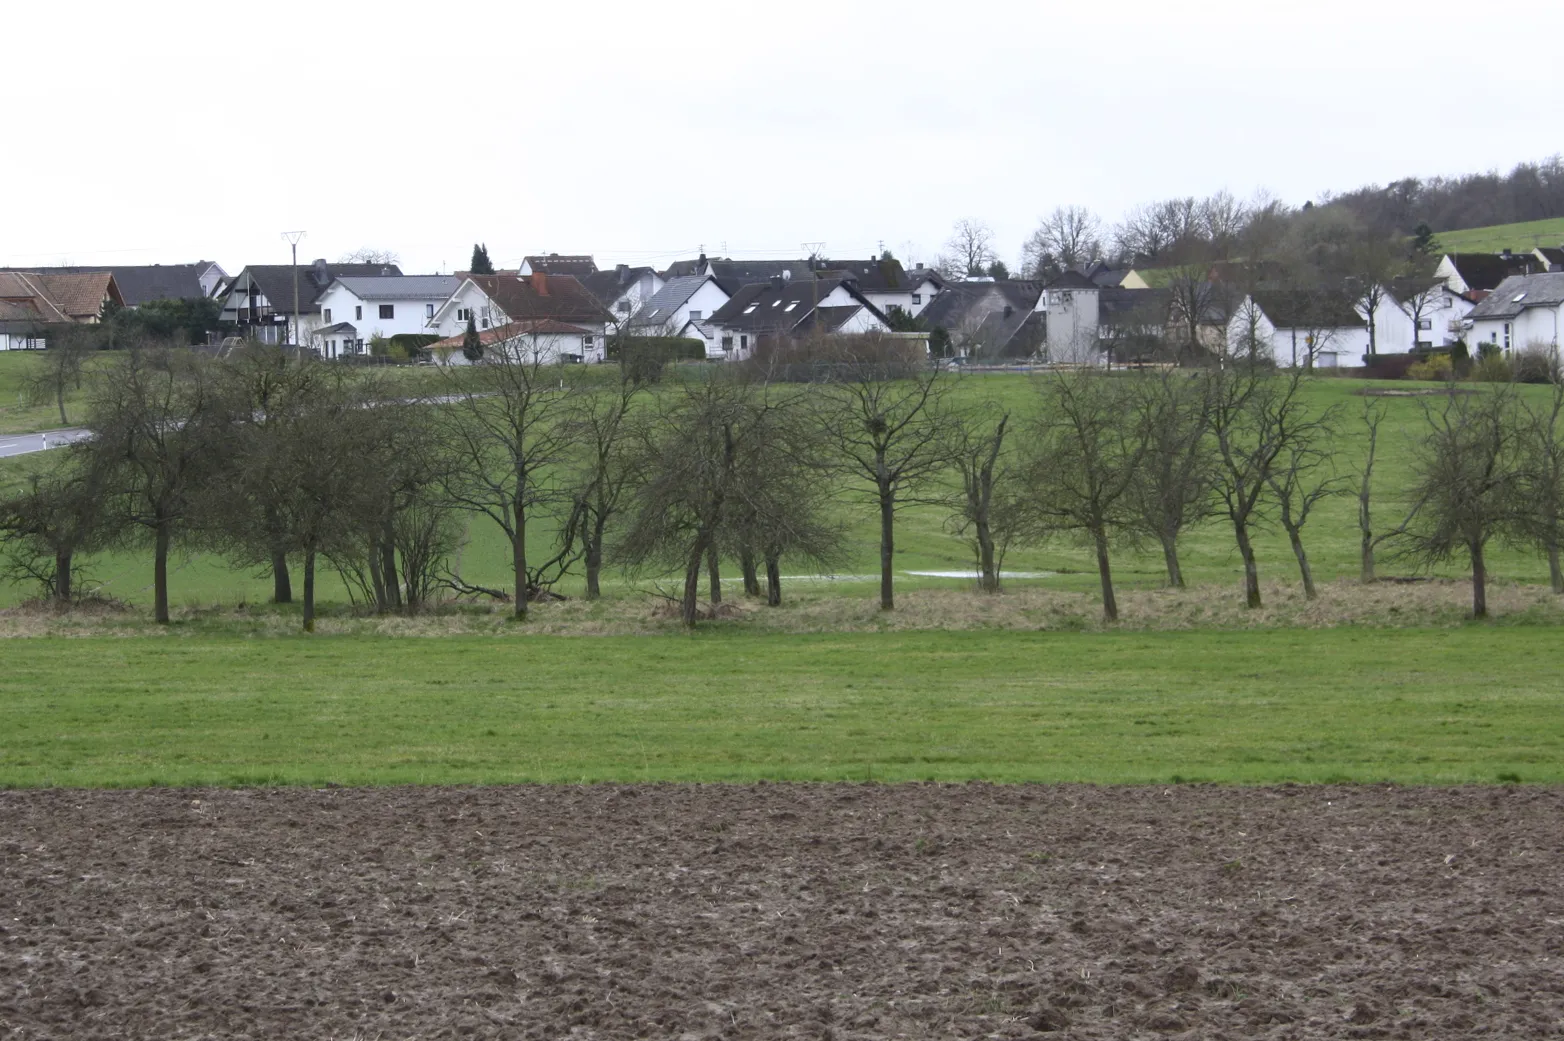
[{"x": 292, "y": 238}]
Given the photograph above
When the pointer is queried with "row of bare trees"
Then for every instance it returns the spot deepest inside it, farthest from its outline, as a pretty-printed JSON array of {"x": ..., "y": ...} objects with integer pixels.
[{"x": 278, "y": 462}]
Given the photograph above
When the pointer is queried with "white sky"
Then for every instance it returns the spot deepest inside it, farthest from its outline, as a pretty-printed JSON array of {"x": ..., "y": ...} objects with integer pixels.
[{"x": 171, "y": 131}]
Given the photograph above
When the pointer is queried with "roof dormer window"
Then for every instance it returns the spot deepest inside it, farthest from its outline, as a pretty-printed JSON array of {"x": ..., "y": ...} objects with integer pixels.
[{"x": 751, "y": 308}]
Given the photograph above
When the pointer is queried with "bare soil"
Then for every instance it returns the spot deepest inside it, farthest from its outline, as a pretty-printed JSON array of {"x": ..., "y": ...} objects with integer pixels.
[{"x": 771, "y": 911}]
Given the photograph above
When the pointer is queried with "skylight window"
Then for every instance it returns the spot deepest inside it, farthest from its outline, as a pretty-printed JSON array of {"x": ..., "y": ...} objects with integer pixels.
[
  {"x": 790, "y": 306},
  {"x": 750, "y": 308},
  {"x": 776, "y": 303},
  {"x": 1518, "y": 298}
]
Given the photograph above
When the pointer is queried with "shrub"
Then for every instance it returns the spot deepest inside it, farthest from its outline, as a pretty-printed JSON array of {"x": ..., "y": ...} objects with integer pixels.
[
  {"x": 1436, "y": 368},
  {"x": 643, "y": 358},
  {"x": 1536, "y": 364},
  {"x": 1389, "y": 367},
  {"x": 412, "y": 346},
  {"x": 1492, "y": 367}
]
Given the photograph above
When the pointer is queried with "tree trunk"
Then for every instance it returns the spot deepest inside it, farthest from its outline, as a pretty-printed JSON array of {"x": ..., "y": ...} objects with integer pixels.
[
  {"x": 388, "y": 565},
  {"x": 59, "y": 399},
  {"x": 160, "y": 543},
  {"x": 887, "y": 548},
  {"x": 1479, "y": 581},
  {"x": 282, "y": 582},
  {"x": 62, "y": 576},
  {"x": 1555, "y": 575},
  {"x": 1170, "y": 558},
  {"x": 377, "y": 580},
  {"x": 988, "y": 574},
  {"x": 713, "y": 576},
  {"x": 747, "y": 567},
  {"x": 594, "y": 560},
  {"x": 518, "y": 559},
  {"x": 773, "y": 580},
  {"x": 1365, "y": 528},
  {"x": 309, "y": 590},
  {"x": 1295, "y": 537},
  {"x": 1251, "y": 569},
  {"x": 1110, "y": 606},
  {"x": 692, "y": 580}
]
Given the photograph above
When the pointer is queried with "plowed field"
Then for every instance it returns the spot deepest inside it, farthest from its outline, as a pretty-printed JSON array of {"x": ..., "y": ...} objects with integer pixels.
[{"x": 822, "y": 911}]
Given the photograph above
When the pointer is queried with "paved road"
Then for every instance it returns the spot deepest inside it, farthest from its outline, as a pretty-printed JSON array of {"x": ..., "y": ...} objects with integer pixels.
[{"x": 22, "y": 444}]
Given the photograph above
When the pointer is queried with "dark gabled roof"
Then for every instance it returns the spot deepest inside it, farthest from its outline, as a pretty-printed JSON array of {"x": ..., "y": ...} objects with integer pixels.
[
  {"x": 1403, "y": 289},
  {"x": 608, "y": 286},
  {"x": 1552, "y": 254},
  {"x": 139, "y": 284},
  {"x": 275, "y": 281},
  {"x": 675, "y": 293},
  {"x": 872, "y": 276},
  {"x": 830, "y": 319},
  {"x": 560, "y": 297},
  {"x": 1134, "y": 306},
  {"x": 1518, "y": 292},
  {"x": 578, "y": 265},
  {"x": 1071, "y": 280},
  {"x": 1487, "y": 270},
  {"x": 748, "y": 271},
  {"x": 959, "y": 302},
  {"x": 770, "y": 307},
  {"x": 1308, "y": 308}
]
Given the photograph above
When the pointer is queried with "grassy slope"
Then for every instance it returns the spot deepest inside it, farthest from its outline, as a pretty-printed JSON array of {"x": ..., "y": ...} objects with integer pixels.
[
  {"x": 1517, "y": 237},
  {"x": 1474, "y": 704},
  {"x": 922, "y": 541}
]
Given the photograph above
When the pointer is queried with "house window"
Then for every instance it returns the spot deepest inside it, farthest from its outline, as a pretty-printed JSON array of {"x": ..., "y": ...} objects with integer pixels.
[
  {"x": 586, "y": 342},
  {"x": 485, "y": 322},
  {"x": 359, "y": 346},
  {"x": 623, "y": 307},
  {"x": 727, "y": 343},
  {"x": 464, "y": 314},
  {"x": 1425, "y": 323},
  {"x": 743, "y": 342},
  {"x": 429, "y": 310},
  {"x": 917, "y": 298},
  {"x": 326, "y": 314},
  {"x": 387, "y": 310},
  {"x": 695, "y": 316},
  {"x": 1506, "y": 335},
  {"x": 358, "y": 312}
]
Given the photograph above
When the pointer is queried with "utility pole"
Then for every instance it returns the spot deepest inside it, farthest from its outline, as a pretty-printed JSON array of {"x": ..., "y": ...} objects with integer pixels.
[
  {"x": 813, "y": 251},
  {"x": 293, "y": 238}
]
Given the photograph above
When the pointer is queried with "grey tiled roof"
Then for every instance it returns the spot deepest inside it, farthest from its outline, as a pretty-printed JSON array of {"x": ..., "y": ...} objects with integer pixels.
[
  {"x": 661, "y": 305},
  {"x": 1518, "y": 292},
  {"x": 400, "y": 287}
]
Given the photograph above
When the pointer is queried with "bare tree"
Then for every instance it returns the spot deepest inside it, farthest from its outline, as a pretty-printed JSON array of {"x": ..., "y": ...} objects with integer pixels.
[
  {"x": 1069, "y": 237},
  {"x": 601, "y": 470},
  {"x": 60, "y": 513},
  {"x": 1301, "y": 479},
  {"x": 1543, "y": 452},
  {"x": 1373, "y": 415},
  {"x": 886, "y": 423},
  {"x": 59, "y": 367},
  {"x": 1172, "y": 486},
  {"x": 976, "y": 449},
  {"x": 1082, "y": 463},
  {"x": 508, "y": 422},
  {"x": 689, "y": 472},
  {"x": 1470, "y": 481},
  {"x": 1256, "y": 417},
  {"x": 157, "y": 427},
  {"x": 370, "y": 255},
  {"x": 969, "y": 250}
]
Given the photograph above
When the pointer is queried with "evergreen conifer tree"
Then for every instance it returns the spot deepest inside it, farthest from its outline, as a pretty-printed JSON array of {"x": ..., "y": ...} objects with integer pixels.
[{"x": 472, "y": 347}]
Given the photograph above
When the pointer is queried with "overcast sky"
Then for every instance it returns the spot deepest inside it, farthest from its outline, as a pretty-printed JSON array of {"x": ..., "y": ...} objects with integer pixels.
[{"x": 172, "y": 131}]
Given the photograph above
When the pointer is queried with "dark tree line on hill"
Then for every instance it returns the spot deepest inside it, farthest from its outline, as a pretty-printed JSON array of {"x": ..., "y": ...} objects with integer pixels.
[{"x": 284, "y": 464}]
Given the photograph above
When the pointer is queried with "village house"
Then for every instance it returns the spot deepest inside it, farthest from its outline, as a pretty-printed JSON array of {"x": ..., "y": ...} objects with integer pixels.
[
  {"x": 1298, "y": 327},
  {"x": 260, "y": 299},
  {"x": 356, "y": 309},
  {"x": 682, "y": 307},
  {"x": 624, "y": 289},
  {"x": 785, "y": 307},
  {"x": 142, "y": 283},
  {"x": 988, "y": 319},
  {"x": 576, "y": 265},
  {"x": 1523, "y": 311},
  {"x": 31, "y": 302},
  {"x": 1472, "y": 274},
  {"x": 549, "y": 315}
]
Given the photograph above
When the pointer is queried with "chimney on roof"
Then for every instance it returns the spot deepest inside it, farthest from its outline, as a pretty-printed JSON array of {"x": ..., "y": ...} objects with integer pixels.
[
  {"x": 624, "y": 273},
  {"x": 540, "y": 282},
  {"x": 319, "y": 274},
  {"x": 777, "y": 282},
  {"x": 918, "y": 266}
]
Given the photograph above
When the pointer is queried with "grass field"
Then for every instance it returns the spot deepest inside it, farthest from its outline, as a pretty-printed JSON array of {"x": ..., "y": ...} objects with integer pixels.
[
  {"x": 1520, "y": 238},
  {"x": 201, "y": 581},
  {"x": 1474, "y": 704}
]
